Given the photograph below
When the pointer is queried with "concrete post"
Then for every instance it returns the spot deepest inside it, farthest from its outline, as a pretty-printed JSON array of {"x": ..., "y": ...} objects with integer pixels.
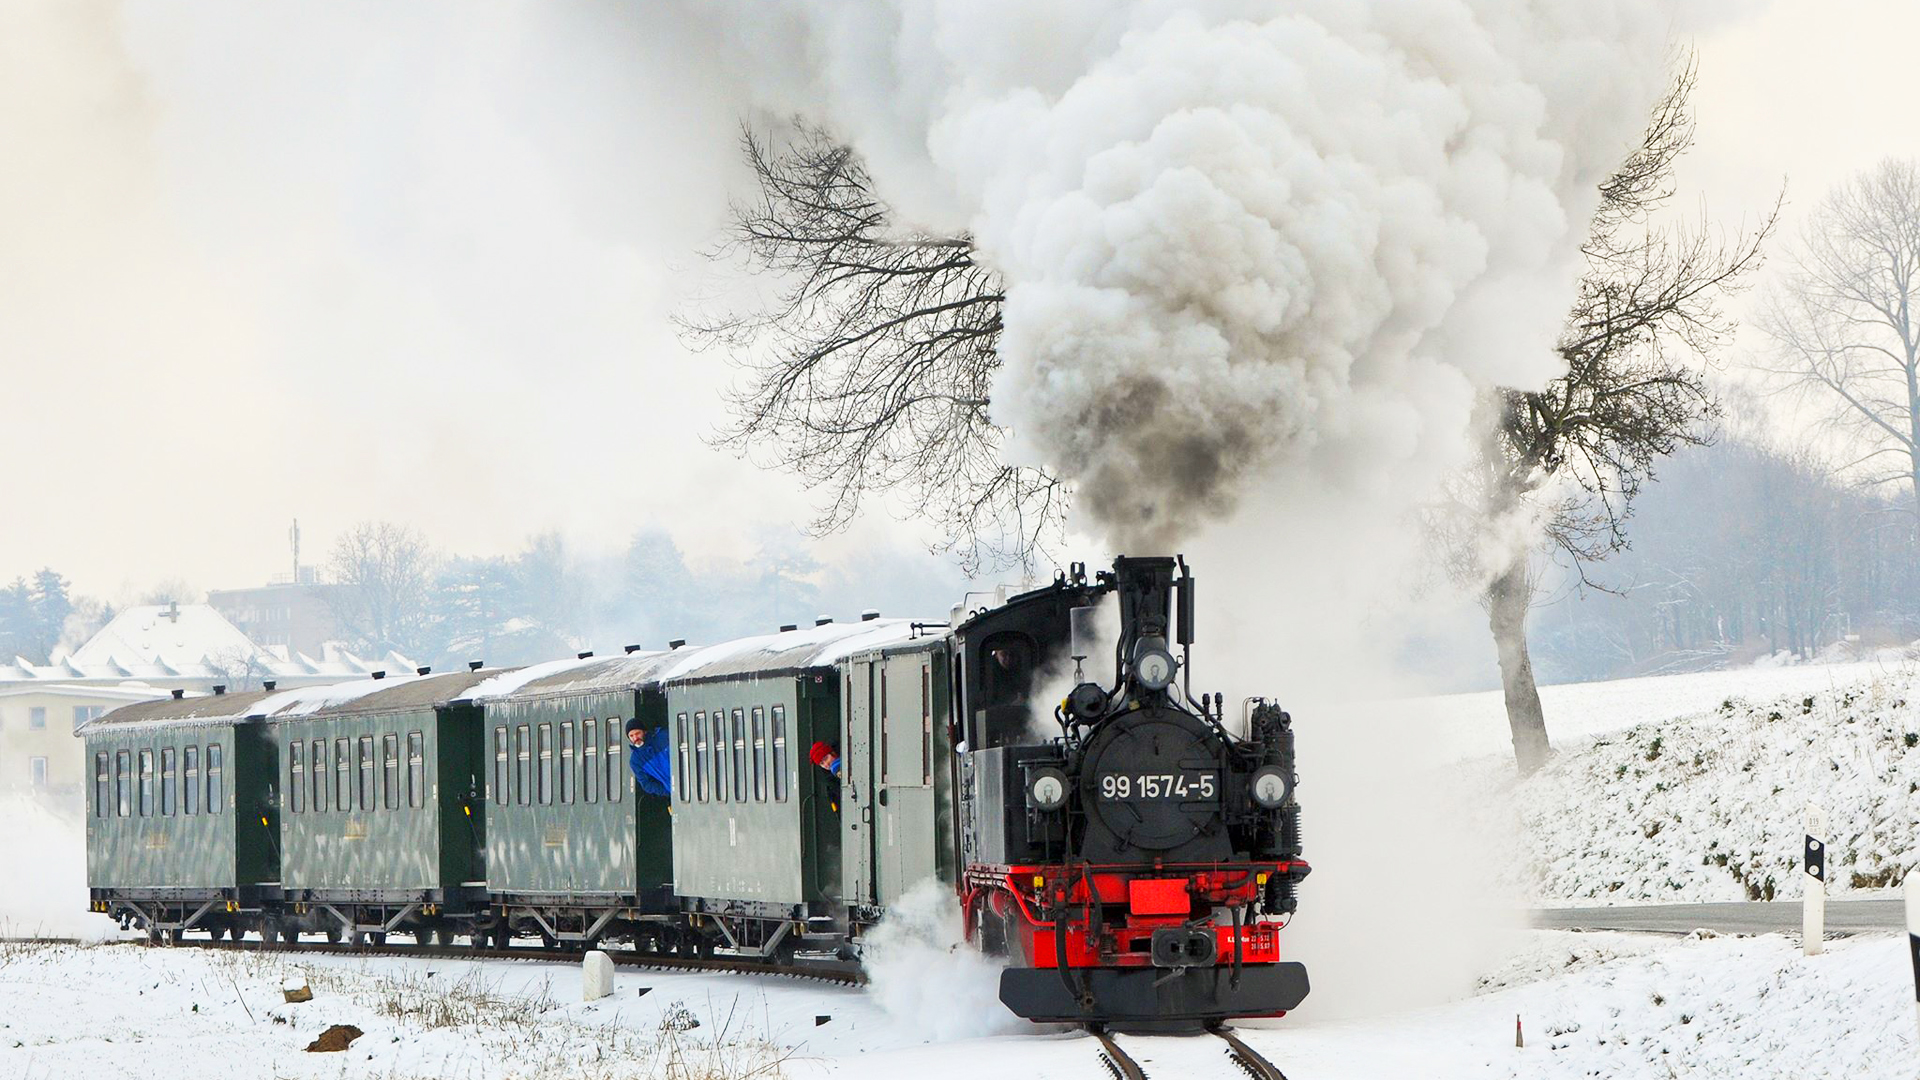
[{"x": 596, "y": 976}]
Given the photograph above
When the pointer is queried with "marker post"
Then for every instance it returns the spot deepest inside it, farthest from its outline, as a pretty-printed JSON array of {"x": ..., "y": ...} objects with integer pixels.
[
  {"x": 1912, "y": 889},
  {"x": 1813, "y": 882}
]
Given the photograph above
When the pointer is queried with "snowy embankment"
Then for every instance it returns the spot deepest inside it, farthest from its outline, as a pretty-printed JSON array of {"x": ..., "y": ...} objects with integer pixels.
[{"x": 1711, "y": 806}]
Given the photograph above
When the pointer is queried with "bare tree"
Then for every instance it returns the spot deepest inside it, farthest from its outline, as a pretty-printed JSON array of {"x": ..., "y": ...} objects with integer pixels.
[
  {"x": 1575, "y": 453},
  {"x": 1845, "y": 324},
  {"x": 869, "y": 372},
  {"x": 383, "y": 575}
]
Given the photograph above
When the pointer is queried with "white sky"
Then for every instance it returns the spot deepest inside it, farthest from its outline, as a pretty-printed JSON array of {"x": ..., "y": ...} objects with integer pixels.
[{"x": 363, "y": 260}]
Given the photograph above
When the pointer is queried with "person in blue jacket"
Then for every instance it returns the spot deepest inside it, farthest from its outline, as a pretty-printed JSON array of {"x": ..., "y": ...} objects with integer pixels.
[{"x": 652, "y": 765}]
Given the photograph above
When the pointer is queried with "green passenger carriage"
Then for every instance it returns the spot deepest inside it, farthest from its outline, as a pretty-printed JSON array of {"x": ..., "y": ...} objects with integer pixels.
[{"x": 181, "y": 828}]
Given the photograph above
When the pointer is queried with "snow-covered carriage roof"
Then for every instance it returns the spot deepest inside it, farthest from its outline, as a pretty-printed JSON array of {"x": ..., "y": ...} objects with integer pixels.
[
  {"x": 397, "y": 694},
  {"x": 792, "y": 650}
]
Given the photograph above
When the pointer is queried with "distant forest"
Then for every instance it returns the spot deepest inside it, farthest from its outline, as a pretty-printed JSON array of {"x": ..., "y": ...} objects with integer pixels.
[{"x": 1738, "y": 553}]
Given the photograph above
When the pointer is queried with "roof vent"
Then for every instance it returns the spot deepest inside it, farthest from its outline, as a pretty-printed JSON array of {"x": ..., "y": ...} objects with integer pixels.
[
  {"x": 676, "y": 643},
  {"x": 423, "y": 671},
  {"x": 218, "y": 690},
  {"x": 178, "y": 694},
  {"x": 268, "y": 685},
  {"x": 869, "y": 615},
  {"x": 784, "y": 627},
  {"x": 378, "y": 675},
  {"x": 631, "y": 649},
  {"x": 584, "y": 656},
  {"x": 823, "y": 620},
  {"x": 476, "y": 665}
]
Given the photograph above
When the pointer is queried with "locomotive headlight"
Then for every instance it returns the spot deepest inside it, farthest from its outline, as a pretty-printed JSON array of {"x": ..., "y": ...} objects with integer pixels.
[
  {"x": 1268, "y": 787},
  {"x": 1047, "y": 789},
  {"x": 1154, "y": 668}
]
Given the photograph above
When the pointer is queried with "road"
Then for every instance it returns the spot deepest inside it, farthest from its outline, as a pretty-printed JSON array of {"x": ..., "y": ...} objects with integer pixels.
[{"x": 1843, "y": 917}]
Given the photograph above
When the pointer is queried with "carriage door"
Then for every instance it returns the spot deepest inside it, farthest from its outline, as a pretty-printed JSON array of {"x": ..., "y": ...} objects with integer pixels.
[
  {"x": 904, "y": 829},
  {"x": 856, "y": 782}
]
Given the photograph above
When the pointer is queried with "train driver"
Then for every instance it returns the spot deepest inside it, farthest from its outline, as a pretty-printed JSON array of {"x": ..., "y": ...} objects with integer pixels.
[{"x": 652, "y": 765}]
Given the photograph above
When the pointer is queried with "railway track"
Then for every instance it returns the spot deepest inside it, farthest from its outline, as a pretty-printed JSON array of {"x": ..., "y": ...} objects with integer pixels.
[
  {"x": 844, "y": 973},
  {"x": 1121, "y": 1066}
]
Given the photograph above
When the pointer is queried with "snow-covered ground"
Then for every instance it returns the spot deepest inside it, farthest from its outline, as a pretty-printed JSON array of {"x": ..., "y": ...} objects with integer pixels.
[
  {"x": 1475, "y": 725},
  {"x": 1591, "y": 1005}
]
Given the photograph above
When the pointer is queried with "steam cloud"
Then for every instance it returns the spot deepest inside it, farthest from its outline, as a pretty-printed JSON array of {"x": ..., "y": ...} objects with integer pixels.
[
  {"x": 1239, "y": 237},
  {"x": 926, "y": 977}
]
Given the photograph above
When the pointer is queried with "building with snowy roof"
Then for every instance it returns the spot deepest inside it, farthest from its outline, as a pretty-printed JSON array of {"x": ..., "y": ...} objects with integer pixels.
[
  {"x": 144, "y": 653},
  {"x": 191, "y": 647}
]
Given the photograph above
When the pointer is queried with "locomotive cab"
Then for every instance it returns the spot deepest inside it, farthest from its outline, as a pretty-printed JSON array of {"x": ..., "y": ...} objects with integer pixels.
[{"x": 1129, "y": 856}]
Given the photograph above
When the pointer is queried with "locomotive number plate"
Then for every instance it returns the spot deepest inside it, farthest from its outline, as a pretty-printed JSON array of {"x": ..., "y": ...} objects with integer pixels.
[{"x": 1185, "y": 785}]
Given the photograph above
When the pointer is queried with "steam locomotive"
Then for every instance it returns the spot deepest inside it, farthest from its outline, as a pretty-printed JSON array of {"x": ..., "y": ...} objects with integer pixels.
[
  {"x": 1133, "y": 866},
  {"x": 1131, "y": 858}
]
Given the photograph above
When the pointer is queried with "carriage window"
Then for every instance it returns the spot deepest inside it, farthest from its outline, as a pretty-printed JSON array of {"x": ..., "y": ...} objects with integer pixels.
[
  {"x": 146, "y": 783},
  {"x": 780, "y": 753},
  {"x": 759, "y": 754},
  {"x": 342, "y": 776},
  {"x": 700, "y": 756},
  {"x": 365, "y": 750},
  {"x": 617, "y": 782},
  {"x": 167, "y": 782},
  {"x": 296, "y": 777},
  {"x": 523, "y": 765},
  {"x": 926, "y": 724},
  {"x": 564, "y": 762},
  {"x": 390, "y": 771},
  {"x": 416, "y": 769},
  {"x": 123, "y": 803},
  {"x": 190, "y": 780},
  {"x": 680, "y": 746},
  {"x": 717, "y": 748},
  {"x": 739, "y": 756},
  {"x": 216, "y": 790},
  {"x": 589, "y": 761},
  {"x": 102, "y": 790},
  {"x": 543, "y": 778},
  {"x": 317, "y": 763},
  {"x": 500, "y": 765}
]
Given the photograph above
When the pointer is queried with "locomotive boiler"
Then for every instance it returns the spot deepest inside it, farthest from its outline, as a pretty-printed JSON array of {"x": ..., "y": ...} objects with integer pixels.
[{"x": 1130, "y": 857}]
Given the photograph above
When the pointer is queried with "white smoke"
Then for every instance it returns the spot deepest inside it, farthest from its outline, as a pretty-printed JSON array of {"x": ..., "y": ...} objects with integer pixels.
[
  {"x": 45, "y": 892},
  {"x": 924, "y": 974},
  {"x": 1239, "y": 236}
]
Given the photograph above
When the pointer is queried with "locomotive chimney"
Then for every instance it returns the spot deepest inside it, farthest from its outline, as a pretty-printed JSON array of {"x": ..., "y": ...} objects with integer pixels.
[{"x": 1145, "y": 586}]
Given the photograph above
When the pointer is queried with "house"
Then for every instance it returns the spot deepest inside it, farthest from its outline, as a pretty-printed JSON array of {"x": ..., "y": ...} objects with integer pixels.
[
  {"x": 145, "y": 652},
  {"x": 38, "y": 752}
]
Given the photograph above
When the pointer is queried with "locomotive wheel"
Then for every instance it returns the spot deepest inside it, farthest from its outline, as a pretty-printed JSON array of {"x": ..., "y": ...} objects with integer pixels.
[
  {"x": 477, "y": 939},
  {"x": 378, "y": 937}
]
